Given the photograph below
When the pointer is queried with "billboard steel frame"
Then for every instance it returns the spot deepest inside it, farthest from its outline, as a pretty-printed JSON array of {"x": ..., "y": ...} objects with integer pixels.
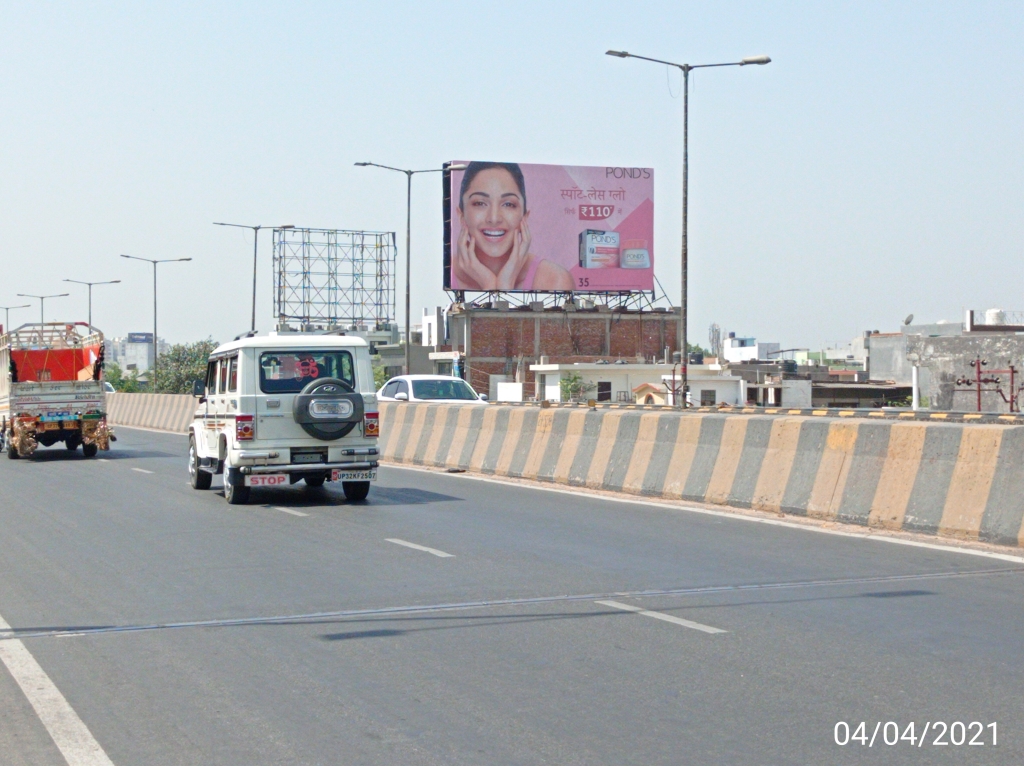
[{"x": 335, "y": 277}]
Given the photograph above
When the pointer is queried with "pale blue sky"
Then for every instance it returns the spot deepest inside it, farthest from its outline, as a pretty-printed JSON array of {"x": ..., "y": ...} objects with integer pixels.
[{"x": 872, "y": 170}]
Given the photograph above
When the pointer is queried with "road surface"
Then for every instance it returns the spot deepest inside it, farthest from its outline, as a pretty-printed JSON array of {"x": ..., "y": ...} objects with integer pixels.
[{"x": 154, "y": 624}]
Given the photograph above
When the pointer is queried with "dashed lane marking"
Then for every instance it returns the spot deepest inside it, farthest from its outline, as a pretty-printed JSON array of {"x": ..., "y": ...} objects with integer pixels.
[
  {"x": 69, "y": 733},
  {"x": 661, "y": 616},
  {"x": 414, "y": 546},
  {"x": 141, "y": 470},
  {"x": 287, "y": 510}
]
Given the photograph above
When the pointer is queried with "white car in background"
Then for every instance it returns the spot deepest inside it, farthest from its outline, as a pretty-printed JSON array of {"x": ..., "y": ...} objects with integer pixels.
[{"x": 429, "y": 388}]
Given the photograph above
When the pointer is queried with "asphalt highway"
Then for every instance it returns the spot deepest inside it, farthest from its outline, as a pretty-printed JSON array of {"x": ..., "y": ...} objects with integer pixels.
[{"x": 450, "y": 620}]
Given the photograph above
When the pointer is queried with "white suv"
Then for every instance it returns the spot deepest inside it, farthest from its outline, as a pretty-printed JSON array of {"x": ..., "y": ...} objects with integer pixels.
[{"x": 278, "y": 409}]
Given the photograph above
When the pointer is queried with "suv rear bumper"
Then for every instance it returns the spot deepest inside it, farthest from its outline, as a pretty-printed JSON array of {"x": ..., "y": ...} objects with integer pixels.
[{"x": 365, "y": 465}]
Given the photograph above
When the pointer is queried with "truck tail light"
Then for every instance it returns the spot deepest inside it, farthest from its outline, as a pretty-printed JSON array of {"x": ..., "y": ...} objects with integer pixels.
[
  {"x": 245, "y": 427},
  {"x": 371, "y": 424}
]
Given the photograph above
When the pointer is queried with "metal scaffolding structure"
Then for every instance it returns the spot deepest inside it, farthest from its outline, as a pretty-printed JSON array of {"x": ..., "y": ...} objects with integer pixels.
[{"x": 329, "y": 278}]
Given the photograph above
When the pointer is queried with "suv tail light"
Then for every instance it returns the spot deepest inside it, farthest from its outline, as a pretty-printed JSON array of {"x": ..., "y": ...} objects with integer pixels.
[
  {"x": 371, "y": 424},
  {"x": 245, "y": 427}
]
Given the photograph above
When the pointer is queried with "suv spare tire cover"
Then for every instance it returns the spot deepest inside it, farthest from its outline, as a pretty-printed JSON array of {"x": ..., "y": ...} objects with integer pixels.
[{"x": 328, "y": 426}]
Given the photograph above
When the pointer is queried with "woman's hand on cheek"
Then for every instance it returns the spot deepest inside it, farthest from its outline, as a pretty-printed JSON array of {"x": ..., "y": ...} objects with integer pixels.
[
  {"x": 509, "y": 274},
  {"x": 468, "y": 266}
]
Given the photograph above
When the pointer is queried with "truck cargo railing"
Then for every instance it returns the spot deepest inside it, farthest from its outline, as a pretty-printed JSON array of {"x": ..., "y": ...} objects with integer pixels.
[{"x": 51, "y": 335}]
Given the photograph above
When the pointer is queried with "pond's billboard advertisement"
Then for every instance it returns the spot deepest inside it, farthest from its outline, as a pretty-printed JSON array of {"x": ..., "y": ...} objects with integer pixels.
[{"x": 549, "y": 228}]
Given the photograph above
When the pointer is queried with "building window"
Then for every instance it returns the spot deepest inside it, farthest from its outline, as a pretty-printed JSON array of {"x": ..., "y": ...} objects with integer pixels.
[
  {"x": 707, "y": 397},
  {"x": 604, "y": 391}
]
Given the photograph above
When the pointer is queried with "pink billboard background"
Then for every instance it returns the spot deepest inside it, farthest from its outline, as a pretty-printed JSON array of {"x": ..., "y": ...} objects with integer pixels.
[{"x": 565, "y": 200}]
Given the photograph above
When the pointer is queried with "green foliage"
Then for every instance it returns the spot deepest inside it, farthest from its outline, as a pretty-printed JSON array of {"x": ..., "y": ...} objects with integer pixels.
[
  {"x": 380, "y": 373},
  {"x": 184, "y": 363},
  {"x": 573, "y": 388},
  {"x": 903, "y": 401},
  {"x": 126, "y": 384},
  {"x": 696, "y": 348}
]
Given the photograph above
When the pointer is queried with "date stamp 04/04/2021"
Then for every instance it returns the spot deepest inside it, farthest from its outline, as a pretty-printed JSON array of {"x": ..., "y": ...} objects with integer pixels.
[{"x": 930, "y": 734}]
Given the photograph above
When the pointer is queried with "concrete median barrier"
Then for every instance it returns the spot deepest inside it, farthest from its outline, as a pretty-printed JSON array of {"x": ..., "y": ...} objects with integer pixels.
[
  {"x": 962, "y": 480},
  {"x": 163, "y": 412}
]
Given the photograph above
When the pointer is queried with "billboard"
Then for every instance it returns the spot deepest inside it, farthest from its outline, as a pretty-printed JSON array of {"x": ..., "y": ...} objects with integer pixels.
[
  {"x": 548, "y": 228},
  {"x": 140, "y": 337}
]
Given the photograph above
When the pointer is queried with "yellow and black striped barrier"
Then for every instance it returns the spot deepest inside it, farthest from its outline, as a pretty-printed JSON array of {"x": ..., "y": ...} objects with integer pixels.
[{"x": 928, "y": 475}]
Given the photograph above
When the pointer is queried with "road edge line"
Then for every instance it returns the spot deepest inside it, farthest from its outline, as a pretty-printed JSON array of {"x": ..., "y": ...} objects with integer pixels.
[{"x": 67, "y": 730}]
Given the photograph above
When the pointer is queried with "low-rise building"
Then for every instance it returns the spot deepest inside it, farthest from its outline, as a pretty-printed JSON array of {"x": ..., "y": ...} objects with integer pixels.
[{"x": 640, "y": 383}]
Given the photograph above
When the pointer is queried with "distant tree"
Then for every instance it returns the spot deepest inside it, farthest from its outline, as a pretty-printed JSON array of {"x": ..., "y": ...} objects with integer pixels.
[
  {"x": 126, "y": 384},
  {"x": 573, "y": 388},
  {"x": 184, "y": 363},
  {"x": 695, "y": 348}
]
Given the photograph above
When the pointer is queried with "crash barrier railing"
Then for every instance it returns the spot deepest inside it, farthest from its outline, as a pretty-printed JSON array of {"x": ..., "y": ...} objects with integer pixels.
[{"x": 963, "y": 480}]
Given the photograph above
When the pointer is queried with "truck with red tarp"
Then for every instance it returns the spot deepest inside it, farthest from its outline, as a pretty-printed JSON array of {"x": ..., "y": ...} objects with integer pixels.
[{"x": 51, "y": 389}]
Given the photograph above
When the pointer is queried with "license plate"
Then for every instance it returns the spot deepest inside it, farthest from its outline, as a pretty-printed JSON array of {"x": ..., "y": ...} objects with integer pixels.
[
  {"x": 266, "y": 480},
  {"x": 51, "y": 426},
  {"x": 308, "y": 457},
  {"x": 340, "y": 475}
]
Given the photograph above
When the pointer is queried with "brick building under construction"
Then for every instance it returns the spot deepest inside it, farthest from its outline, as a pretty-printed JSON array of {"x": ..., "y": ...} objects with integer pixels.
[{"x": 504, "y": 341}]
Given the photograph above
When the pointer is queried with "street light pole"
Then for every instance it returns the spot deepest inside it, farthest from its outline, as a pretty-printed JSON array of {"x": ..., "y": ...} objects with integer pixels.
[
  {"x": 90, "y": 284},
  {"x": 685, "y": 69},
  {"x": 7, "y": 314},
  {"x": 42, "y": 304},
  {"x": 156, "y": 345},
  {"x": 408, "y": 243},
  {"x": 255, "y": 250}
]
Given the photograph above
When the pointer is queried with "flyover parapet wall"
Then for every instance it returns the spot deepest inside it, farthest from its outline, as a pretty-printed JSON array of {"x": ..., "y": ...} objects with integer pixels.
[
  {"x": 163, "y": 412},
  {"x": 962, "y": 480}
]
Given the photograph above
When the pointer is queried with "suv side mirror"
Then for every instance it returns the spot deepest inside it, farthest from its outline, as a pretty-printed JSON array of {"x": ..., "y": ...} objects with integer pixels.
[
  {"x": 483, "y": 397},
  {"x": 402, "y": 396},
  {"x": 199, "y": 388}
]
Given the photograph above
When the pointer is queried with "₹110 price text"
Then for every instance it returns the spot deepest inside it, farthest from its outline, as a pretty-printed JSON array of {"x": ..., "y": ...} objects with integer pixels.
[{"x": 932, "y": 734}]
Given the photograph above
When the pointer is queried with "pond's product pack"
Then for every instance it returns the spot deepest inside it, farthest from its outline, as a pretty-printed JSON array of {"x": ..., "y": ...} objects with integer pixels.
[
  {"x": 635, "y": 255},
  {"x": 599, "y": 249}
]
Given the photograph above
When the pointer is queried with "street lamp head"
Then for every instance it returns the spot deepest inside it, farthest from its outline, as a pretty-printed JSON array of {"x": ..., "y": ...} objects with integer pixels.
[
  {"x": 459, "y": 166},
  {"x": 289, "y": 226},
  {"x": 362, "y": 164},
  {"x": 617, "y": 54},
  {"x": 755, "y": 60}
]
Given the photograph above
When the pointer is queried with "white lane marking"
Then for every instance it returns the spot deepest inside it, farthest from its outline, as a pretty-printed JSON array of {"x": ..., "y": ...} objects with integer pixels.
[
  {"x": 661, "y": 616},
  {"x": 288, "y": 510},
  {"x": 414, "y": 546},
  {"x": 102, "y": 460},
  {"x": 69, "y": 733},
  {"x": 738, "y": 515},
  {"x": 141, "y": 470}
]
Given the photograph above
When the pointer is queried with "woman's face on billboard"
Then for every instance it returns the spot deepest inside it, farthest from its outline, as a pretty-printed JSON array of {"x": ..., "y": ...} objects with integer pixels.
[{"x": 492, "y": 210}]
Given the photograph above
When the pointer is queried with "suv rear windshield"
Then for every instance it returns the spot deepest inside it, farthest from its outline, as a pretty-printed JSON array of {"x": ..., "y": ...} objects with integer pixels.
[
  {"x": 288, "y": 372},
  {"x": 442, "y": 389}
]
